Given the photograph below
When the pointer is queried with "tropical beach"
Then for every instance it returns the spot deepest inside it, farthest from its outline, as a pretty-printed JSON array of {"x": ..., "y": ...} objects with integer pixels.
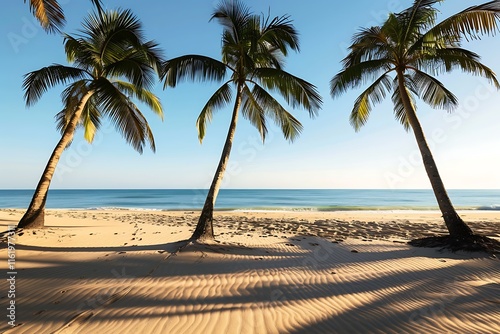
[
  {"x": 222, "y": 225},
  {"x": 127, "y": 271}
]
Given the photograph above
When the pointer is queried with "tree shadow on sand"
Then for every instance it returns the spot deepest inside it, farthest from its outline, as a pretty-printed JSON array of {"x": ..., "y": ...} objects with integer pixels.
[{"x": 303, "y": 278}]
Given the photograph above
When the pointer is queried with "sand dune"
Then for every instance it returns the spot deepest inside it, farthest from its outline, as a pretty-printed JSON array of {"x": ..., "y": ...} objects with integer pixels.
[{"x": 270, "y": 272}]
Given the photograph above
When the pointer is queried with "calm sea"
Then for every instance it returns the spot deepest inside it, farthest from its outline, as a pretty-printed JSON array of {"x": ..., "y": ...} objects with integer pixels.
[{"x": 254, "y": 199}]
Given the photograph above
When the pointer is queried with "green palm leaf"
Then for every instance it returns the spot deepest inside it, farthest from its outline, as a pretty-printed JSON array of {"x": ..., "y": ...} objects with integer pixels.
[
  {"x": 218, "y": 100},
  {"x": 91, "y": 121},
  {"x": 279, "y": 34},
  {"x": 71, "y": 100},
  {"x": 296, "y": 91},
  {"x": 355, "y": 75},
  {"x": 142, "y": 94},
  {"x": 472, "y": 22},
  {"x": 36, "y": 83},
  {"x": 125, "y": 115},
  {"x": 234, "y": 16},
  {"x": 192, "y": 67},
  {"x": 290, "y": 126},
  {"x": 254, "y": 112},
  {"x": 363, "y": 105},
  {"x": 433, "y": 92},
  {"x": 134, "y": 67},
  {"x": 448, "y": 59},
  {"x": 399, "y": 108}
]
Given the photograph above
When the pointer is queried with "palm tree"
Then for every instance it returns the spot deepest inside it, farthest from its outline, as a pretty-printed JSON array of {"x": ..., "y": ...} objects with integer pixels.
[
  {"x": 416, "y": 48},
  {"x": 50, "y": 14},
  {"x": 112, "y": 63},
  {"x": 253, "y": 48}
]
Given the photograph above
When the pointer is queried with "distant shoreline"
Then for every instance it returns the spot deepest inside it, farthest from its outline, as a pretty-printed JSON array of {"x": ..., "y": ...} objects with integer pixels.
[{"x": 255, "y": 199}]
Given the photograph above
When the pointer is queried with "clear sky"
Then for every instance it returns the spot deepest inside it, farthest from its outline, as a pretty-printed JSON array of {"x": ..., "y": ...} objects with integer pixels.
[{"x": 328, "y": 154}]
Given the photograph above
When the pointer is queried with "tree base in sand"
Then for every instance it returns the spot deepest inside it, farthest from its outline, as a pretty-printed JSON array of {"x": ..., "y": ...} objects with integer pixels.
[{"x": 473, "y": 243}]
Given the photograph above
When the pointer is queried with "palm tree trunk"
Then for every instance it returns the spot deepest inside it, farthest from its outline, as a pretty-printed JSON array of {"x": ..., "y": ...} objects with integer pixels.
[
  {"x": 456, "y": 226},
  {"x": 35, "y": 215},
  {"x": 204, "y": 229}
]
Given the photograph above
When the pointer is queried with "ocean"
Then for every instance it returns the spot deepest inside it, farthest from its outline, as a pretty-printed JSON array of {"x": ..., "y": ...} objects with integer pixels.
[{"x": 254, "y": 199}]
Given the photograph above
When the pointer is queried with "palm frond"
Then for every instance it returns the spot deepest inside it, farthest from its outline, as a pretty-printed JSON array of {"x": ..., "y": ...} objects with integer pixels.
[
  {"x": 36, "y": 83},
  {"x": 71, "y": 97},
  {"x": 355, "y": 75},
  {"x": 279, "y": 33},
  {"x": 363, "y": 105},
  {"x": 98, "y": 5},
  {"x": 49, "y": 13},
  {"x": 142, "y": 94},
  {"x": 91, "y": 121},
  {"x": 252, "y": 111},
  {"x": 411, "y": 90},
  {"x": 134, "y": 67},
  {"x": 233, "y": 15},
  {"x": 416, "y": 19},
  {"x": 193, "y": 67},
  {"x": 125, "y": 115},
  {"x": 296, "y": 91},
  {"x": 369, "y": 44},
  {"x": 290, "y": 126},
  {"x": 433, "y": 92},
  {"x": 471, "y": 23},
  {"x": 113, "y": 34},
  {"x": 448, "y": 59},
  {"x": 154, "y": 55},
  {"x": 77, "y": 49},
  {"x": 399, "y": 108},
  {"x": 218, "y": 100}
]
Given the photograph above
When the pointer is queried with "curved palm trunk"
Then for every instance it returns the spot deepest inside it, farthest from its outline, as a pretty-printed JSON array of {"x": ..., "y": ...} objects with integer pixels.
[
  {"x": 456, "y": 226},
  {"x": 34, "y": 216},
  {"x": 204, "y": 229}
]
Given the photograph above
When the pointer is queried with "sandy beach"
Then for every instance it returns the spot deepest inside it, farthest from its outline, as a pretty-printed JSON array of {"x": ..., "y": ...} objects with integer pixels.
[{"x": 126, "y": 271}]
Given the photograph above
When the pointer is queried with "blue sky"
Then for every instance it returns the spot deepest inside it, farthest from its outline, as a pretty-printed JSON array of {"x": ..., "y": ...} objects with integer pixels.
[{"x": 328, "y": 154}]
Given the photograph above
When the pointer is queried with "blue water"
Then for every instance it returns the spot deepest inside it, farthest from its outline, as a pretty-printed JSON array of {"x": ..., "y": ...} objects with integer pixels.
[{"x": 256, "y": 199}]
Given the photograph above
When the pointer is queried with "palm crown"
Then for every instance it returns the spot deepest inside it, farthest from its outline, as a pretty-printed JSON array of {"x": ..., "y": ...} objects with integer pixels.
[
  {"x": 112, "y": 62},
  {"x": 411, "y": 44},
  {"x": 253, "y": 49}
]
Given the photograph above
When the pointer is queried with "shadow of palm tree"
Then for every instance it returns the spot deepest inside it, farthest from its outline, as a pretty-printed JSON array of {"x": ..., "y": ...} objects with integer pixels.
[{"x": 311, "y": 276}]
